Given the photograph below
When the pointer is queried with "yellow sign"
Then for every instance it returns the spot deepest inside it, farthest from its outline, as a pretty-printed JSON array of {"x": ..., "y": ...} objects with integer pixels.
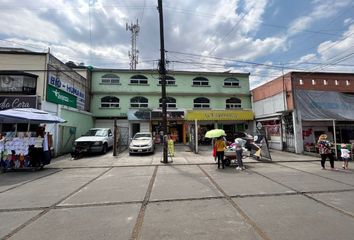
[
  {"x": 246, "y": 115},
  {"x": 171, "y": 148}
]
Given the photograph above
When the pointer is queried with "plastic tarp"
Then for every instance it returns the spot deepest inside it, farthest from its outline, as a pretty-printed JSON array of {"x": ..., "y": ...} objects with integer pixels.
[
  {"x": 324, "y": 105},
  {"x": 25, "y": 115}
]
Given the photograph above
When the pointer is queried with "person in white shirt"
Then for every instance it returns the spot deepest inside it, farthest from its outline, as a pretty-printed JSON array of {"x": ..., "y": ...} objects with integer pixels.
[{"x": 345, "y": 155}]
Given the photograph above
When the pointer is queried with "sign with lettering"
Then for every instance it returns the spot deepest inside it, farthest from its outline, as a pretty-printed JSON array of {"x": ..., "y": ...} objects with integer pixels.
[
  {"x": 56, "y": 95},
  {"x": 69, "y": 88},
  {"x": 171, "y": 115},
  {"x": 7, "y": 102},
  {"x": 246, "y": 115}
]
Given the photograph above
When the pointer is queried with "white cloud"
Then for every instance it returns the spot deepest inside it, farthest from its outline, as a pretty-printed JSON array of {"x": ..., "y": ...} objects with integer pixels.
[{"x": 323, "y": 9}]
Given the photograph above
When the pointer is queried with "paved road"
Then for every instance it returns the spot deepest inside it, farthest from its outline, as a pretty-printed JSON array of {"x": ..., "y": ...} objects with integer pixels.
[{"x": 137, "y": 197}]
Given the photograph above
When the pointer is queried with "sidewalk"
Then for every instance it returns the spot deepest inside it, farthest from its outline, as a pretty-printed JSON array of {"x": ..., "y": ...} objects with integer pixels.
[
  {"x": 182, "y": 155},
  {"x": 138, "y": 197}
]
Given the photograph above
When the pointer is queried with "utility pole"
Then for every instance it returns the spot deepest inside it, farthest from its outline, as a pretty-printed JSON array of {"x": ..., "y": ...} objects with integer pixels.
[
  {"x": 162, "y": 71},
  {"x": 133, "y": 54}
]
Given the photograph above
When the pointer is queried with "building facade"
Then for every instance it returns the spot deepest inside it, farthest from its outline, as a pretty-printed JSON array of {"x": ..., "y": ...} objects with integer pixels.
[
  {"x": 294, "y": 109},
  {"x": 40, "y": 80},
  {"x": 204, "y": 99}
]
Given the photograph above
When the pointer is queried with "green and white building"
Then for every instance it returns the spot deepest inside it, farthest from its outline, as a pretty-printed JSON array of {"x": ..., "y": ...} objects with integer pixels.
[{"x": 133, "y": 97}]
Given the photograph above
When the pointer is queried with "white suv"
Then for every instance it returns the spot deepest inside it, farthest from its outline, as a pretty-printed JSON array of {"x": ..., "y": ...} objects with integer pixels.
[
  {"x": 142, "y": 142},
  {"x": 95, "y": 140}
]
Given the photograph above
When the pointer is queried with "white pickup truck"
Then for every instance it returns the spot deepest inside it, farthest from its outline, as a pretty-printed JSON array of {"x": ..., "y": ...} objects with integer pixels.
[{"x": 95, "y": 140}]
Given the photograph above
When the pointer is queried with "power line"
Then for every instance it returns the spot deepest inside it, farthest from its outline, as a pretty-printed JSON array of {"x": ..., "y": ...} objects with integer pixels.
[
  {"x": 227, "y": 59},
  {"x": 90, "y": 25}
]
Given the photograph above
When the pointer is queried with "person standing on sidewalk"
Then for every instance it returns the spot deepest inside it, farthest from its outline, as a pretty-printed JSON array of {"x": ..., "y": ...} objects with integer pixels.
[
  {"x": 220, "y": 148},
  {"x": 239, "y": 142},
  {"x": 345, "y": 155},
  {"x": 324, "y": 147}
]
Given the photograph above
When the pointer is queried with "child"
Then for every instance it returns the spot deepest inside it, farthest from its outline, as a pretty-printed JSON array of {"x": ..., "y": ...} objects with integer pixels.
[{"x": 345, "y": 156}]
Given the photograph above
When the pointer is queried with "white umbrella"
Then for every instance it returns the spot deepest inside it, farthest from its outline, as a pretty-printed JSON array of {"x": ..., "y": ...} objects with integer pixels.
[{"x": 28, "y": 115}]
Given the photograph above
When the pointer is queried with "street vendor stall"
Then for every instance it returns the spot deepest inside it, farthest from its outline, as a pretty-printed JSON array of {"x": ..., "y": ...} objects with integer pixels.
[{"x": 25, "y": 148}]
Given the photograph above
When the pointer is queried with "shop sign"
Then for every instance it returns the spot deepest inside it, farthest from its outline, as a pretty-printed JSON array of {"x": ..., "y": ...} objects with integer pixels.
[
  {"x": 171, "y": 115},
  {"x": 139, "y": 114},
  {"x": 68, "y": 88},
  {"x": 215, "y": 115},
  {"x": 7, "y": 102},
  {"x": 58, "y": 96}
]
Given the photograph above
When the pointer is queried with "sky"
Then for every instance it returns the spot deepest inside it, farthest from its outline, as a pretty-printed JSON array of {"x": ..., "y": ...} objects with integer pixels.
[{"x": 265, "y": 38}]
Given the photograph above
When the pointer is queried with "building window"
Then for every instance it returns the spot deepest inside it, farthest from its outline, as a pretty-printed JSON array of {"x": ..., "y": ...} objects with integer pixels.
[
  {"x": 18, "y": 84},
  {"x": 139, "y": 102},
  {"x": 336, "y": 82},
  {"x": 109, "y": 102},
  {"x": 170, "y": 102},
  {"x": 233, "y": 103},
  {"x": 313, "y": 82},
  {"x": 110, "y": 79},
  {"x": 138, "y": 79},
  {"x": 231, "y": 82},
  {"x": 347, "y": 82},
  {"x": 169, "y": 81},
  {"x": 200, "y": 81},
  {"x": 201, "y": 102},
  {"x": 325, "y": 82},
  {"x": 301, "y": 82}
]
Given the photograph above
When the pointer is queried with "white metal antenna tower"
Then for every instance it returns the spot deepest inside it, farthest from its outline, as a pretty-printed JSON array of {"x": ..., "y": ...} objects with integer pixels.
[{"x": 133, "y": 54}]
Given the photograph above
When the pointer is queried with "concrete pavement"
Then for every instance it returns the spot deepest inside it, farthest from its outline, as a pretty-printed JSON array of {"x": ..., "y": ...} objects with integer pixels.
[{"x": 138, "y": 197}]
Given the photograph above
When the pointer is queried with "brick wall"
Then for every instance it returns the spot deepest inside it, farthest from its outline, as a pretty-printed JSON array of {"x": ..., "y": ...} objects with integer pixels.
[{"x": 338, "y": 82}]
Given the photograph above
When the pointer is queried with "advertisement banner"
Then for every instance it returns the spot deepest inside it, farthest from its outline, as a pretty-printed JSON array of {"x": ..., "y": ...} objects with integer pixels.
[
  {"x": 324, "y": 105},
  {"x": 246, "y": 115},
  {"x": 171, "y": 115},
  {"x": 58, "y": 96},
  {"x": 7, "y": 102},
  {"x": 65, "y": 86}
]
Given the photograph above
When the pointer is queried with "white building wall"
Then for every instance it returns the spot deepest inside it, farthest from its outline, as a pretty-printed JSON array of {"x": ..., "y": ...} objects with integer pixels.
[
  {"x": 23, "y": 62},
  {"x": 269, "y": 106}
]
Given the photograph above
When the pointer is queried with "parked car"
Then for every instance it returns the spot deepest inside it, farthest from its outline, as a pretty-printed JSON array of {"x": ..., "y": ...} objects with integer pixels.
[
  {"x": 142, "y": 142},
  {"x": 96, "y": 140}
]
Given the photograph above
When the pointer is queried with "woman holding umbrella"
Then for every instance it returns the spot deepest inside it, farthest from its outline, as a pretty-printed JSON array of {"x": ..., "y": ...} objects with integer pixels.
[{"x": 220, "y": 148}]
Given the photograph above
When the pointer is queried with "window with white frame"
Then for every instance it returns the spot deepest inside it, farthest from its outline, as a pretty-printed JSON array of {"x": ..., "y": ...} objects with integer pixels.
[
  {"x": 200, "y": 81},
  {"x": 336, "y": 82},
  {"x": 110, "y": 102},
  {"x": 139, "y": 102},
  {"x": 170, "y": 102},
  {"x": 325, "y": 82},
  {"x": 201, "y": 102},
  {"x": 313, "y": 82},
  {"x": 347, "y": 82},
  {"x": 231, "y": 82},
  {"x": 139, "y": 79},
  {"x": 233, "y": 103},
  {"x": 169, "y": 81},
  {"x": 110, "y": 79},
  {"x": 301, "y": 82}
]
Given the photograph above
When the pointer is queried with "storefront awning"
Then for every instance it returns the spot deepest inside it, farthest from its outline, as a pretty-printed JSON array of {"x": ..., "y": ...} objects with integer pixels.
[
  {"x": 324, "y": 105},
  {"x": 219, "y": 115}
]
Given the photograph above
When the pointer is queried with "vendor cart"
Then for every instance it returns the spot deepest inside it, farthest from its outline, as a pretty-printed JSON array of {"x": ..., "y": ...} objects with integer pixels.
[
  {"x": 24, "y": 150},
  {"x": 230, "y": 156}
]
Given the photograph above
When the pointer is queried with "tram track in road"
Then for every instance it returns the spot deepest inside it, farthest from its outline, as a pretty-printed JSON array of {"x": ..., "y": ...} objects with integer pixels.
[
  {"x": 243, "y": 214},
  {"x": 31, "y": 180},
  {"x": 318, "y": 175},
  {"x": 307, "y": 193},
  {"x": 136, "y": 231},
  {"x": 46, "y": 210}
]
